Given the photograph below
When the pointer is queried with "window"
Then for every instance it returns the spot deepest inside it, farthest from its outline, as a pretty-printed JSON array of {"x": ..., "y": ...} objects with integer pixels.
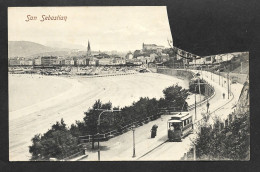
[{"x": 208, "y": 58}]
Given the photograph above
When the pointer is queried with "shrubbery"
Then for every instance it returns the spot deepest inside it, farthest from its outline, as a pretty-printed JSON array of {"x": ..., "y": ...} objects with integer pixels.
[
  {"x": 61, "y": 141},
  {"x": 231, "y": 143},
  {"x": 57, "y": 142}
]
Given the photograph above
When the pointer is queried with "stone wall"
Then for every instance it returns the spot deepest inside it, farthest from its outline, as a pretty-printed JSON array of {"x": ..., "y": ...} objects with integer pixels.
[{"x": 173, "y": 72}]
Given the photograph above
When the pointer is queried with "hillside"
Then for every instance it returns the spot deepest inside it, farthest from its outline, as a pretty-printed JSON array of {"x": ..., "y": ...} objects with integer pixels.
[
  {"x": 245, "y": 68},
  {"x": 26, "y": 48},
  {"x": 235, "y": 65}
]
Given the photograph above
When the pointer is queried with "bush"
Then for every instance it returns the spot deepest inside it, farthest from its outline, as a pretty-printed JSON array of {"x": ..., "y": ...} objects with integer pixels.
[{"x": 231, "y": 143}]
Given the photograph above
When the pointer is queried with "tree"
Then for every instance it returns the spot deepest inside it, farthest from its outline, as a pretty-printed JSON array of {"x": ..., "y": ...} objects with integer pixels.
[
  {"x": 176, "y": 95},
  {"x": 91, "y": 118},
  {"x": 57, "y": 142}
]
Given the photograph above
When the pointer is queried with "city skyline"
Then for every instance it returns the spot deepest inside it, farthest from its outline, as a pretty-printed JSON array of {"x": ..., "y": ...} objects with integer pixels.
[{"x": 107, "y": 28}]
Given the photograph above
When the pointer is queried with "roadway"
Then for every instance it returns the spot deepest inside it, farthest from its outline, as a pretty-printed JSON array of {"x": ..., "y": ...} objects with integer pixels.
[
  {"x": 70, "y": 105},
  {"x": 219, "y": 108}
]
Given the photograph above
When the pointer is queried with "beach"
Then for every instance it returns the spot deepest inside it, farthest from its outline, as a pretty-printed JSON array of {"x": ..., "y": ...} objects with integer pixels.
[{"x": 69, "y": 98}]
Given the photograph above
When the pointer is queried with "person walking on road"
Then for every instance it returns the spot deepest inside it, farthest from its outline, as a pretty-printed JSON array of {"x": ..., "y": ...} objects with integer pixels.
[
  {"x": 208, "y": 107},
  {"x": 223, "y": 95},
  {"x": 154, "y": 131}
]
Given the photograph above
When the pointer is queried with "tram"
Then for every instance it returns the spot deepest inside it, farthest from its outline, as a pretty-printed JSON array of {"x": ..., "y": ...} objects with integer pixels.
[{"x": 179, "y": 126}]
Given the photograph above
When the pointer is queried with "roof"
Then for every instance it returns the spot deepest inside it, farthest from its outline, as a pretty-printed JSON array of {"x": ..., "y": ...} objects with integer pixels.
[
  {"x": 182, "y": 116},
  {"x": 174, "y": 120}
]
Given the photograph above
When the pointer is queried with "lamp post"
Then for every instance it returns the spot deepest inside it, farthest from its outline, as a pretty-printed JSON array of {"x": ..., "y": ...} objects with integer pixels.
[
  {"x": 199, "y": 88},
  {"x": 241, "y": 67},
  {"x": 195, "y": 103},
  {"x": 133, "y": 128},
  {"x": 98, "y": 126},
  {"x": 228, "y": 83},
  {"x": 218, "y": 76}
]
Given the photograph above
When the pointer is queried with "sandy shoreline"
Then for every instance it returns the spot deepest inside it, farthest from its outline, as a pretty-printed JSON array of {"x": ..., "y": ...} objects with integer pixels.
[
  {"x": 70, "y": 104},
  {"x": 23, "y": 85}
]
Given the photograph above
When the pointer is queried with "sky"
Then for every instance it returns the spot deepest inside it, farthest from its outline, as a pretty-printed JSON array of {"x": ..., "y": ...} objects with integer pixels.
[{"x": 107, "y": 28}]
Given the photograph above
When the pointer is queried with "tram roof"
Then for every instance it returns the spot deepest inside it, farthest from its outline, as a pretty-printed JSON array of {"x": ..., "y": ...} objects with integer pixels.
[
  {"x": 181, "y": 114},
  {"x": 174, "y": 120}
]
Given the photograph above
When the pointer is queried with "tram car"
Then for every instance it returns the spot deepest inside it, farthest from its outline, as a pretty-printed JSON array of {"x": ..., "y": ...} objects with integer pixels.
[{"x": 179, "y": 126}]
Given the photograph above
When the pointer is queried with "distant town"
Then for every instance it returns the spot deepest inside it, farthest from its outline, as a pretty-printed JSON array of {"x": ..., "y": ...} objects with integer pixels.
[
  {"x": 150, "y": 53},
  {"x": 90, "y": 62},
  {"x": 97, "y": 62}
]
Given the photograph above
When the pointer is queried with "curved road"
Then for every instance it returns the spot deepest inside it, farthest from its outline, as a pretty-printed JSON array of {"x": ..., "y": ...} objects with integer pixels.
[
  {"x": 70, "y": 105},
  {"x": 221, "y": 108}
]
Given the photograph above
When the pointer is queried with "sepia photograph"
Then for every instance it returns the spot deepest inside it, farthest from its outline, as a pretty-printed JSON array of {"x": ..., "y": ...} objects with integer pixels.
[{"x": 109, "y": 83}]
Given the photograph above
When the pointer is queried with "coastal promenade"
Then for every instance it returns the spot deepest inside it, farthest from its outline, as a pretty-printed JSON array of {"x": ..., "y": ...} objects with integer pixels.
[
  {"x": 121, "y": 147},
  {"x": 70, "y": 105}
]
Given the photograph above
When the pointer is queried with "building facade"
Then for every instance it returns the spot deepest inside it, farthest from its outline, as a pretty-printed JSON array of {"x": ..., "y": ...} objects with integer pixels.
[
  {"x": 152, "y": 47},
  {"x": 48, "y": 60}
]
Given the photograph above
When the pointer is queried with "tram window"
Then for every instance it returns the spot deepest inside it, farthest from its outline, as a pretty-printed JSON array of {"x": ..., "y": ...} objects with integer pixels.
[{"x": 172, "y": 127}]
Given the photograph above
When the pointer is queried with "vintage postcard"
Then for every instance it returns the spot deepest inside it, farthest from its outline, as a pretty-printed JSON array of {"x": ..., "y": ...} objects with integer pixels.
[{"x": 109, "y": 84}]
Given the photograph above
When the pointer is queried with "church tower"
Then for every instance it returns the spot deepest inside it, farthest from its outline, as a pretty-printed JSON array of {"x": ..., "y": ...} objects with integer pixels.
[{"x": 89, "y": 50}]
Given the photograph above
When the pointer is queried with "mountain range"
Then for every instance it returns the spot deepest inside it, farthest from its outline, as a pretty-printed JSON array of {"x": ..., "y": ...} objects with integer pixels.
[{"x": 28, "y": 49}]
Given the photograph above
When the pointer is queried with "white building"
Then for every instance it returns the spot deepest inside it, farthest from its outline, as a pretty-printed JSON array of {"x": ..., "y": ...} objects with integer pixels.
[
  {"x": 37, "y": 61},
  {"x": 152, "y": 47},
  {"x": 80, "y": 62},
  {"x": 118, "y": 61},
  {"x": 105, "y": 61}
]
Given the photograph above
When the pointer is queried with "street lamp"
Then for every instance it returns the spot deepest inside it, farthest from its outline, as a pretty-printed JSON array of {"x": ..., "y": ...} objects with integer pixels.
[
  {"x": 228, "y": 83},
  {"x": 133, "y": 128},
  {"x": 98, "y": 126},
  {"x": 195, "y": 103}
]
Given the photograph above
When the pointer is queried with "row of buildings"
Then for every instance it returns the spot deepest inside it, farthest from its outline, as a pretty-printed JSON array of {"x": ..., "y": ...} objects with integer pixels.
[
  {"x": 89, "y": 59},
  {"x": 61, "y": 61}
]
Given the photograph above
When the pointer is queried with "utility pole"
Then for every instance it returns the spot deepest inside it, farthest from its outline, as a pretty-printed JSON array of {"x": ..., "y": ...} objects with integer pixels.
[
  {"x": 194, "y": 152},
  {"x": 228, "y": 83},
  {"x": 133, "y": 141},
  {"x": 195, "y": 105},
  {"x": 195, "y": 64},
  {"x": 199, "y": 88},
  {"x": 218, "y": 76},
  {"x": 241, "y": 67},
  {"x": 222, "y": 80},
  {"x": 98, "y": 127}
]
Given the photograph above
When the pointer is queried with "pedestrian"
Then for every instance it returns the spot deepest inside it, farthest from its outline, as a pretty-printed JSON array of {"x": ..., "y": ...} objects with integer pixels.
[
  {"x": 223, "y": 95},
  {"x": 208, "y": 107},
  {"x": 153, "y": 131}
]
